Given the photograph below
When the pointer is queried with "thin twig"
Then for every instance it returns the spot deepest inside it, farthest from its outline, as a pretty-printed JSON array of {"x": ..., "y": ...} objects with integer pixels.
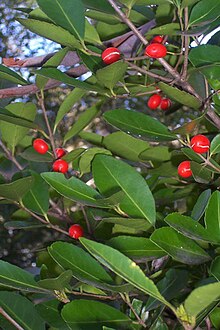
[
  {"x": 87, "y": 220},
  {"x": 128, "y": 22},
  {"x": 186, "y": 45},
  {"x": 10, "y": 156},
  {"x": 42, "y": 105},
  {"x": 140, "y": 321},
  {"x": 10, "y": 319},
  {"x": 151, "y": 74}
]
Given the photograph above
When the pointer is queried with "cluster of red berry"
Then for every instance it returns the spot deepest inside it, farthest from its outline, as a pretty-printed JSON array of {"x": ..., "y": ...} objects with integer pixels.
[
  {"x": 200, "y": 144},
  {"x": 155, "y": 49},
  {"x": 158, "y": 102},
  {"x": 60, "y": 165}
]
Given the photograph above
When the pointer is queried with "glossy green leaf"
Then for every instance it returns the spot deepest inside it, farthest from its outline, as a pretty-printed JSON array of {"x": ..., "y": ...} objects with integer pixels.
[
  {"x": 85, "y": 268},
  {"x": 93, "y": 315},
  {"x": 139, "y": 124},
  {"x": 6, "y": 73},
  {"x": 200, "y": 298},
  {"x": 8, "y": 117},
  {"x": 215, "y": 317},
  {"x": 136, "y": 224},
  {"x": 13, "y": 134},
  {"x": 87, "y": 158},
  {"x": 204, "y": 55},
  {"x": 125, "y": 145},
  {"x": 16, "y": 189},
  {"x": 180, "y": 96},
  {"x": 74, "y": 96},
  {"x": 136, "y": 247},
  {"x": 212, "y": 218},
  {"x": 122, "y": 266},
  {"x": 179, "y": 247},
  {"x": 189, "y": 227},
  {"x": 33, "y": 156},
  {"x": 192, "y": 155},
  {"x": 138, "y": 201},
  {"x": 72, "y": 188},
  {"x": 204, "y": 11},
  {"x": 93, "y": 63},
  {"x": 91, "y": 35},
  {"x": 174, "y": 281},
  {"x": 200, "y": 173},
  {"x": 100, "y": 5},
  {"x": 111, "y": 74},
  {"x": 51, "y": 32},
  {"x": 215, "y": 268},
  {"x": 201, "y": 204},
  {"x": 170, "y": 28},
  {"x": 50, "y": 312},
  {"x": 69, "y": 14},
  {"x": 91, "y": 137},
  {"x": 159, "y": 154},
  {"x": 60, "y": 76},
  {"x": 21, "y": 310},
  {"x": 37, "y": 198},
  {"x": 74, "y": 154},
  {"x": 59, "y": 283},
  {"x": 16, "y": 278},
  {"x": 215, "y": 145},
  {"x": 53, "y": 61},
  {"x": 23, "y": 224},
  {"x": 83, "y": 120}
]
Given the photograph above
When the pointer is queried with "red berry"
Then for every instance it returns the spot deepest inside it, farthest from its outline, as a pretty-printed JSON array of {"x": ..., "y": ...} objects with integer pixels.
[
  {"x": 157, "y": 39},
  {"x": 200, "y": 144},
  {"x": 60, "y": 165},
  {"x": 76, "y": 231},
  {"x": 156, "y": 50},
  {"x": 154, "y": 101},
  {"x": 165, "y": 104},
  {"x": 60, "y": 152},
  {"x": 111, "y": 55},
  {"x": 184, "y": 169},
  {"x": 40, "y": 146}
]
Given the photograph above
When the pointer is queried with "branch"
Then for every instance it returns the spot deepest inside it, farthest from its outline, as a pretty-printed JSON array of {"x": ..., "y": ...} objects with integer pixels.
[
  {"x": 10, "y": 156},
  {"x": 10, "y": 319}
]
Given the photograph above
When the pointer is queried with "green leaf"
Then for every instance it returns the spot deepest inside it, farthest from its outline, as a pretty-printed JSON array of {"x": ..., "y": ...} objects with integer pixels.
[
  {"x": 200, "y": 298},
  {"x": 139, "y": 124},
  {"x": 124, "y": 267},
  {"x": 158, "y": 154},
  {"x": 50, "y": 312},
  {"x": 60, "y": 76},
  {"x": 51, "y": 32},
  {"x": 6, "y": 73},
  {"x": 59, "y": 283},
  {"x": 8, "y": 117},
  {"x": 17, "y": 189},
  {"x": 111, "y": 74},
  {"x": 69, "y": 14},
  {"x": 125, "y": 146},
  {"x": 91, "y": 137},
  {"x": 16, "y": 278},
  {"x": 31, "y": 155},
  {"x": 74, "y": 154},
  {"x": 189, "y": 227},
  {"x": 192, "y": 155},
  {"x": 136, "y": 224},
  {"x": 13, "y": 134},
  {"x": 23, "y": 224},
  {"x": 37, "y": 198},
  {"x": 201, "y": 204},
  {"x": 215, "y": 268},
  {"x": 100, "y": 5},
  {"x": 53, "y": 61},
  {"x": 170, "y": 28},
  {"x": 83, "y": 120},
  {"x": 215, "y": 145},
  {"x": 91, "y": 35},
  {"x": 138, "y": 201},
  {"x": 85, "y": 268},
  {"x": 136, "y": 247},
  {"x": 204, "y": 55},
  {"x": 74, "y": 96},
  {"x": 204, "y": 12},
  {"x": 179, "y": 247},
  {"x": 200, "y": 173},
  {"x": 72, "y": 188},
  {"x": 212, "y": 218},
  {"x": 87, "y": 158},
  {"x": 21, "y": 310},
  {"x": 180, "y": 96},
  {"x": 93, "y": 315}
]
